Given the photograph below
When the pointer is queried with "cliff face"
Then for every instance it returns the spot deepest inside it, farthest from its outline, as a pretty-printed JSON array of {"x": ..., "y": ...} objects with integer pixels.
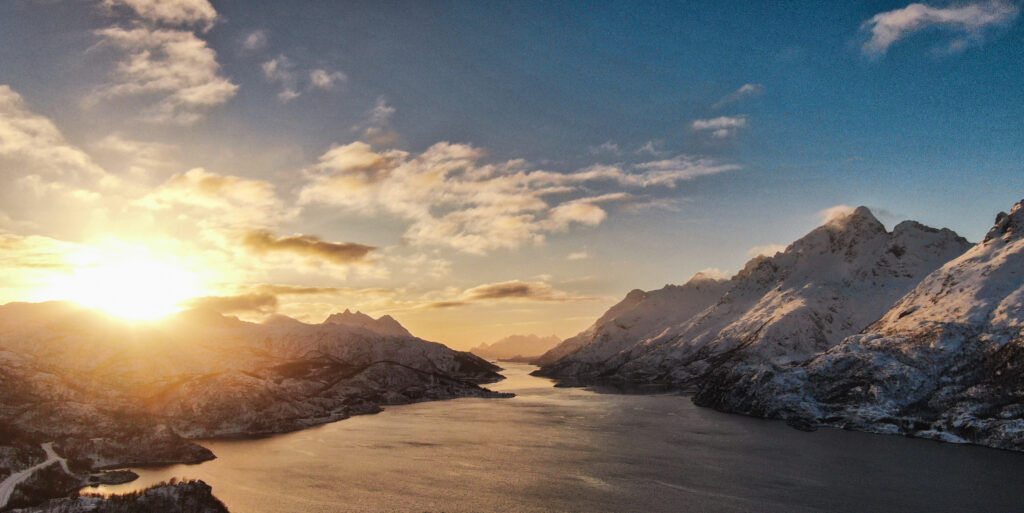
[{"x": 945, "y": 362}]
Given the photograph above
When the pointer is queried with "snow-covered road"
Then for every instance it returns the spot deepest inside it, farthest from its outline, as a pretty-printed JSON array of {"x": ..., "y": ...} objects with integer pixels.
[{"x": 12, "y": 481}]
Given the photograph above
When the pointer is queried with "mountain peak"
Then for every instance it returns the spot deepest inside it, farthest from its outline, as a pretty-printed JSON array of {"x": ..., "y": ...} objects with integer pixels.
[
  {"x": 861, "y": 219},
  {"x": 386, "y": 325},
  {"x": 1008, "y": 225}
]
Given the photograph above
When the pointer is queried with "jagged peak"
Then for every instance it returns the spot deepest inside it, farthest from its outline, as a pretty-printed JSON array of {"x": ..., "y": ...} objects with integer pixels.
[
  {"x": 860, "y": 219},
  {"x": 1008, "y": 225}
]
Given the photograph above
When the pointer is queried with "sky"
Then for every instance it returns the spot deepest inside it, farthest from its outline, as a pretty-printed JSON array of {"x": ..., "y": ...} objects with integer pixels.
[{"x": 479, "y": 169}]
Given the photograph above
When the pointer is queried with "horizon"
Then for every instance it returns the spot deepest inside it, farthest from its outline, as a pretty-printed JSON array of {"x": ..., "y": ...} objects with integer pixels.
[{"x": 477, "y": 179}]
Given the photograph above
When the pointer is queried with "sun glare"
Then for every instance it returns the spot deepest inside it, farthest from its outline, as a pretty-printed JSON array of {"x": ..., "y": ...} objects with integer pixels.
[{"x": 132, "y": 285}]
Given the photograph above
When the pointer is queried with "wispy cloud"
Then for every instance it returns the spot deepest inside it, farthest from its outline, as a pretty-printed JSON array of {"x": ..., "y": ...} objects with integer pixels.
[
  {"x": 605, "y": 147},
  {"x": 256, "y": 40},
  {"x": 834, "y": 213},
  {"x": 766, "y": 250},
  {"x": 967, "y": 21},
  {"x": 451, "y": 198},
  {"x": 281, "y": 70},
  {"x": 745, "y": 91},
  {"x": 720, "y": 127},
  {"x": 578, "y": 255},
  {"x": 326, "y": 80}
]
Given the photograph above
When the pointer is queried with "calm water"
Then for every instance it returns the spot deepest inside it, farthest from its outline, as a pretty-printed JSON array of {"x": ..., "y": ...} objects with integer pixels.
[{"x": 558, "y": 449}]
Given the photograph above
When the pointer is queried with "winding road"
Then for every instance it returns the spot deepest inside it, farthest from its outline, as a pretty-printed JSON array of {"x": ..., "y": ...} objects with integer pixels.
[{"x": 8, "y": 485}]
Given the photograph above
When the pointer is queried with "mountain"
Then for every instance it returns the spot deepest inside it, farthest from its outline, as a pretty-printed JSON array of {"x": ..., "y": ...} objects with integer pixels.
[
  {"x": 107, "y": 393},
  {"x": 385, "y": 325},
  {"x": 516, "y": 347},
  {"x": 639, "y": 316},
  {"x": 945, "y": 362},
  {"x": 831, "y": 283}
]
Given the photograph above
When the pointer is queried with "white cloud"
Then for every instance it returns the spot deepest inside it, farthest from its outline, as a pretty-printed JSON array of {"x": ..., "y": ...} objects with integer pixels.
[
  {"x": 579, "y": 255},
  {"x": 713, "y": 273},
  {"x": 33, "y": 144},
  {"x": 968, "y": 19},
  {"x": 745, "y": 91},
  {"x": 833, "y": 213},
  {"x": 174, "y": 65},
  {"x": 140, "y": 158},
  {"x": 280, "y": 70},
  {"x": 256, "y": 40},
  {"x": 377, "y": 128},
  {"x": 450, "y": 198},
  {"x": 323, "y": 79},
  {"x": 720, "y": 127},
  {"x": 172, "y": 12},
  {"x": 238, "y": 202},
  {"x": 766, "y": 250}
]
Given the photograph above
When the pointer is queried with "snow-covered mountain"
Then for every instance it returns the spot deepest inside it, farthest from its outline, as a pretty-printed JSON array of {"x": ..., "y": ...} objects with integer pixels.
[
  {"x": 945, "y": 362},
  {"x": 639, "y": 316},
  {"x": 517, "y": 347},
  {"x": 831, "y": 283},
  {"x": 111, "y": 393}
]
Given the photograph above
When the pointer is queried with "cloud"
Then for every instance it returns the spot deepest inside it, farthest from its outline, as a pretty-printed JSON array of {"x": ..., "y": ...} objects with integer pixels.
[
  {"x": 579, "y": 255},
  {"x": 720, "y": 127},
  {"x": 240, "y": 304},
  {"x": 256, "y": 40},
  {"x": 650, "y": 148},
  {"x": 239, "y": 202},
  {"x": 33, "y": 144},
  {"x": 171, "y": 12},
  {"x": 967, "y": 20},
  {"x": 515, "y": 290},
  {"x": 33, "y": 252},
  {"x": 450, "y": 198},
  {"x": 712, "y": 273},
  {"x": 140, "y": 158},
  {"x": 326, "y": 80},
  {"x": 605, "y": 147},
  {"x": 377, "y": 128},
  {"x": 744, "y": 92},
  {"x": 766, "y": 250},
  {"x": 280, "y": 70},
  {"x": 341, "y": 253},
  {"x": 834, "y": 213},
  {"x": 175, "y": 66},
  {"x": 296, "y": 290}
]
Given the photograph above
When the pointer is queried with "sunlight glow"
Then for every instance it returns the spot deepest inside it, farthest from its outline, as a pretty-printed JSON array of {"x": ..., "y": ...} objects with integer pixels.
[{"x": 132, "y": 284}]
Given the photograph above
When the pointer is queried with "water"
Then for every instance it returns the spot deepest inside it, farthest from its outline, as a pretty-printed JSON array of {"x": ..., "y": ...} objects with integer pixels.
[{"x": 566, "y": 449}]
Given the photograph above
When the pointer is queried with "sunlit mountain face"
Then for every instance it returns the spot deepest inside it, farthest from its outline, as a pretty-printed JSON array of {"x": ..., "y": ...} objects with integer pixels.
[{"x": 477, "y": 171}]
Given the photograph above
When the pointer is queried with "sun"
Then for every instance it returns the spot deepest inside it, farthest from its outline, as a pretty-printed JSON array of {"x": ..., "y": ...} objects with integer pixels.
[{"x": 131, "y": 285}]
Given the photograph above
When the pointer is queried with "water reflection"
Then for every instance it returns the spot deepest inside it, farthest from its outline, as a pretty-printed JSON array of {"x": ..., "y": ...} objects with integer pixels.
[{"x": 571, "y": 449}]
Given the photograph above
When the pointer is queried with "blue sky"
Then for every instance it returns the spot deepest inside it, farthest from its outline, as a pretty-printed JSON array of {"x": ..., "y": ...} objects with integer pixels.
[{"x": 757, "y": 115}]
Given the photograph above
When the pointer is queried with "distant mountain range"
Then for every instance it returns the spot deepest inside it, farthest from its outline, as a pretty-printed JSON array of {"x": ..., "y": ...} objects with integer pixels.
[
  {"x": 521, "y": 348},
  {"x": 912, "y": 331},
  {"x": 106, "y": 393}
]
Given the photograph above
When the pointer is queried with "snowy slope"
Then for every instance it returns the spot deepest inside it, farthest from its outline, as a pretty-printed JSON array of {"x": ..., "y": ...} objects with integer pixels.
[
  {"x": 639, "y": 317},
  {"x": 831, "y": 283},
  {"x": 946, "y": 361}
]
